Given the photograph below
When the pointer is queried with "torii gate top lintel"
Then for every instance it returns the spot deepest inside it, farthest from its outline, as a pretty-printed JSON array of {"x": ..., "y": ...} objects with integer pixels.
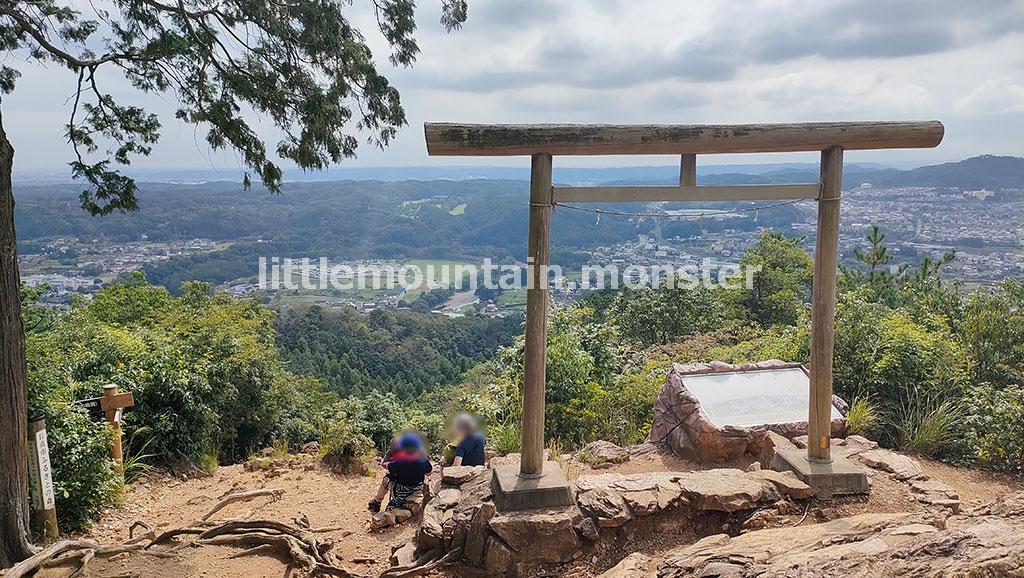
[
  {"x": 542, "y": 141},
  {"x": 451, "y": 139}
]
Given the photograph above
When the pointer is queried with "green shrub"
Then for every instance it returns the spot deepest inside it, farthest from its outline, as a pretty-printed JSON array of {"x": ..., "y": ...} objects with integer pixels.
[
  {"x": 200, "y": 366},
  {"x": 343, "y": 448},
  {"x": 992, "y": 328},
  {"x": 505, "y": 438},
  {"x": 303, "y": 406},
  {"x": 925, "y": 425},
  {"x": 994, "y": 428},
  {"x": 863, "y": 416},
  {"x": 628, "y": 407},
  {"x": 890, "y": 356},
  {"x": 382, "y": 417},
  {"x": 83, "y": 472}
]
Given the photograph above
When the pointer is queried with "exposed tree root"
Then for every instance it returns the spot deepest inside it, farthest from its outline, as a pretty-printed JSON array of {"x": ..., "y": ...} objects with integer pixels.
[
  {"x": 66, "y": 550},
  {"x": 261, "y": 549},
  {"x": 149, "y": 535},
  {"x": 274, "y": 494},
  {"x": 303, "y": 522},
  {"x": 429, "y": 561},
  {"x": 87, "y": 556},
  {"x": 296, "y": 545},
  {"x": 299, "y": 547}
]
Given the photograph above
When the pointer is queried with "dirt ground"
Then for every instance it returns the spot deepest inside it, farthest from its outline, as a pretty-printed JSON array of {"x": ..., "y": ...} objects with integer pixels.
[
  {"x": 326, "y": 499},
  {"x": 339, "y": 502}
]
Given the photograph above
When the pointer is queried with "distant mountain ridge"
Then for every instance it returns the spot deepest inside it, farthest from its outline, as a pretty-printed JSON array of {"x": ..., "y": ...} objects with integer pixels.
[
  {"x": 984, "y": 171},
  {"x": 980, "y": 172},
  {"x": 456, "y": 173}
]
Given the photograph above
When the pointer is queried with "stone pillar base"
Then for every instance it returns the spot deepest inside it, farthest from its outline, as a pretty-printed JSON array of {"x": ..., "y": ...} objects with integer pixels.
[
  {"x": 548, "y": 490},
  {"x": 841, "y": 477}
]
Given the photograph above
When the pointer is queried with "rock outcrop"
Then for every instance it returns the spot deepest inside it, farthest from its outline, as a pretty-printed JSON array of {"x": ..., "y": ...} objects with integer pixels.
[
  {"x": 461, "y": 514},
  {"x": 902, "y": 468},
  {"x": 612, "y": 508},
  {"x": 990, "y": 544},
  {"x": 633, "y": 566},
  {"x": 680, "y": 422},
  {"x": 602, "y": 453}
]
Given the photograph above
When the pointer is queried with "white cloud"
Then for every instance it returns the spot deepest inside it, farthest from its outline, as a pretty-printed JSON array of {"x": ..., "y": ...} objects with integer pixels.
[{"x": 993, "y": 96}]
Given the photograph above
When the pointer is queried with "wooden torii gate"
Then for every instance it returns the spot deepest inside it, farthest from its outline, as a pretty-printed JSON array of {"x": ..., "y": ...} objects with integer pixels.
[{"x": 543, "y": 141}]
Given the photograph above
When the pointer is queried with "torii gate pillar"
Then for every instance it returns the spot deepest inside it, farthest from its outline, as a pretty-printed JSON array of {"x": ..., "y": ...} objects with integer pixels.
[
  {"x": 535, "y": 352},
  {"x": 534, "y": 483},
  {"x": 823, "y": 307}
]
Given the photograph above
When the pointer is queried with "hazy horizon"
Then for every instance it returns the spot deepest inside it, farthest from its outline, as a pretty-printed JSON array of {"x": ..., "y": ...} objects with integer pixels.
[{"x": 197, "y": 175}]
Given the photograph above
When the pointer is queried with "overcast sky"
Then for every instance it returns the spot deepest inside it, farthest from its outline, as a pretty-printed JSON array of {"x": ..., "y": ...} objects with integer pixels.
[{"x": 653, "y": 61}]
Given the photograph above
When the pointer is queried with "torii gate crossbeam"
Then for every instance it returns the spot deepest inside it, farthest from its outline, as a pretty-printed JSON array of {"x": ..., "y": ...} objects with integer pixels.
[{"x": 543, "y": 141}]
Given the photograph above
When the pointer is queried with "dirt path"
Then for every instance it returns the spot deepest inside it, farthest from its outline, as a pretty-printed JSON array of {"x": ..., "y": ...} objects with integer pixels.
[
  {"x": 330, "y": 500},
  {"x": 975, "y": 487},
  {"x": 326, "y": 499}
]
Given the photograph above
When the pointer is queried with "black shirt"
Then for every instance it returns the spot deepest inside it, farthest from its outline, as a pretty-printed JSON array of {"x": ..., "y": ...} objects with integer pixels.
[
  {"x": 409, "y": 472},
  {"x": 471, "y": 450}
]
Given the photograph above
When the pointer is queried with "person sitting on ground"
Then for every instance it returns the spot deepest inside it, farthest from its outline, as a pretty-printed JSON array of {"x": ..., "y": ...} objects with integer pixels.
[
  {"x": 407, "y": 470},
  {"x": 470, "y": 450}
]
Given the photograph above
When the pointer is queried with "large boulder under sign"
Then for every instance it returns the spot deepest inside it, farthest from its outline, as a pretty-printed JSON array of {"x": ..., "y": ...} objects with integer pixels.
[{"x": 693, "y": 431}]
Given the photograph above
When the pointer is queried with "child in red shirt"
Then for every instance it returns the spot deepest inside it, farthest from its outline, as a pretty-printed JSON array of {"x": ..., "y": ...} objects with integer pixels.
[{"x": 407, "y": 467}]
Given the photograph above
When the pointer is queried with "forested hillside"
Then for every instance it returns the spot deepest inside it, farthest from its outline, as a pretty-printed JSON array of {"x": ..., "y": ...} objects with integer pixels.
[{"x": 401, "y": 352}]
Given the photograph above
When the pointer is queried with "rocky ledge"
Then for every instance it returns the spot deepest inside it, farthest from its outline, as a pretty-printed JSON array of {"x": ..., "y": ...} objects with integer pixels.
[
  {"x": 926, "y": 490},
  {"x": 460, "y": 519},
  {"x": 986, "y": 543},
  {"x": 460, "y": 515}
]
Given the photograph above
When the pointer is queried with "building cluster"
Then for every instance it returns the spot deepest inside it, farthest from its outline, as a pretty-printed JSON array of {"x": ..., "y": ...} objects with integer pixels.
[{"x": 985, "y": 227}]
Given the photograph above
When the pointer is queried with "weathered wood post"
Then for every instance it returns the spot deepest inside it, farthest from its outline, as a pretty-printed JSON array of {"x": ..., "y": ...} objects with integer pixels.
[
  {"x": 113, "y": 404},
  {"x": 823, "y": 307},
  {"x": 535, "y": 354},
  {"x": 688, "y": 170},
  {"x": 44, "y": 510}
]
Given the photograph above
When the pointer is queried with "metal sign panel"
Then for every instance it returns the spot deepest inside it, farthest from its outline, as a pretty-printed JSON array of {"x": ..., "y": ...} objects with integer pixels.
[
  {"x": 93, "y": 405},
  {"x": 751, "y": 398}
]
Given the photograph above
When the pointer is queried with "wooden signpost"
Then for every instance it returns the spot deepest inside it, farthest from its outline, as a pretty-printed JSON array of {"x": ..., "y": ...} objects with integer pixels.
[
  {"x": 111, "y": 406},
  {"x": 543, "y": 141},
  {"x": 40, "y": 479}
]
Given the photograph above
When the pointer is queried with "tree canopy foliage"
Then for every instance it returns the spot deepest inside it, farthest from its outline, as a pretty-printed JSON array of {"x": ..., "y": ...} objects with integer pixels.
[
  {"x": 301, "y": 65},
  {"x": 401, "y": 352}
]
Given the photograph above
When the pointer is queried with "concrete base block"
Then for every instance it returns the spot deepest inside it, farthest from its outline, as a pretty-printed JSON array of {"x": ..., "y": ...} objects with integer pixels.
[
  {"x": 548, "y": 490},
  {"x": 841, "y": 477}
]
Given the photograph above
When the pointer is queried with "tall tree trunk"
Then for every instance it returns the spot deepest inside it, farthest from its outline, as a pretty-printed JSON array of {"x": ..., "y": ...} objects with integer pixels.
[{"x": 14, "y": 545}]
